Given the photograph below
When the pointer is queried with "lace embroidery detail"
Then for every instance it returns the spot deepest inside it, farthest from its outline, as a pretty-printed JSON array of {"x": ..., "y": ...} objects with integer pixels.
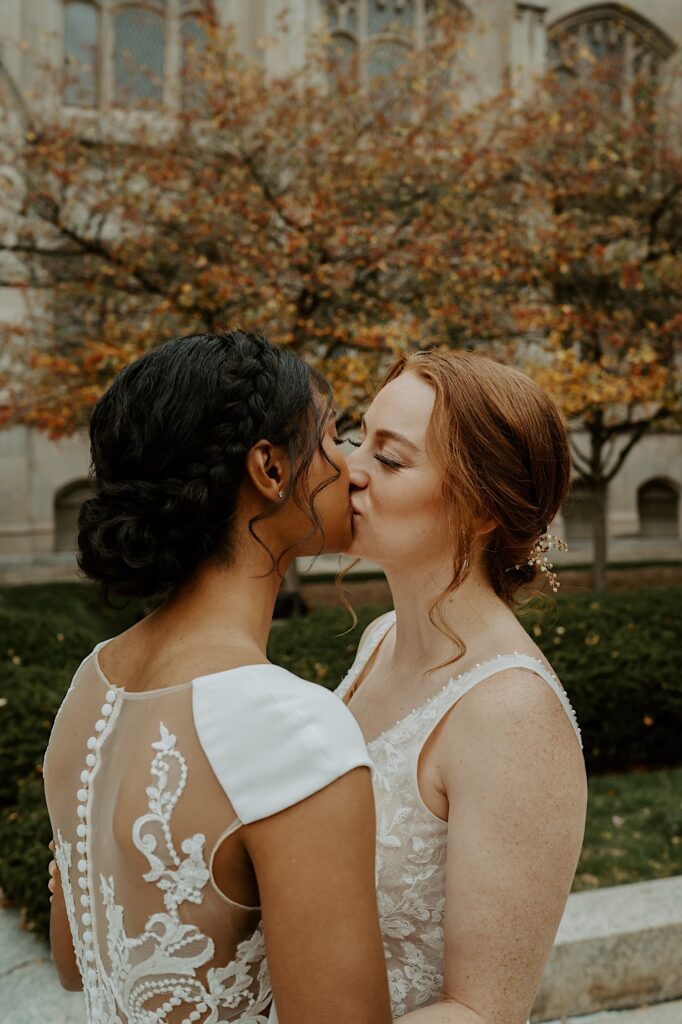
[
  {"x": 411, "y": 846},
  {"x": 149, "y": 986},
  {"x": 62, "y": 856}
]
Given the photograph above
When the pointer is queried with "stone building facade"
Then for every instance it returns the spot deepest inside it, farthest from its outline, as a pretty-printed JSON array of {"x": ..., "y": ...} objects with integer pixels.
[{"x": 42, "y": 482}]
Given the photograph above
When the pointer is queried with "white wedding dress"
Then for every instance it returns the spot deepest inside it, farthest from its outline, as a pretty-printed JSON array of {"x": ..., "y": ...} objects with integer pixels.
[
  {"x": 142, "y": 788},
  {"x": 411, "y": 840}
]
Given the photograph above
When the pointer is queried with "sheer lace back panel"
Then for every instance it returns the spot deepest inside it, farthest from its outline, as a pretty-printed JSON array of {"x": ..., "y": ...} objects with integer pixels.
[
  {"x": 411, "y": 840},
  {"x": 137, "y": 789},
  {"x": 126, "y": 784}
]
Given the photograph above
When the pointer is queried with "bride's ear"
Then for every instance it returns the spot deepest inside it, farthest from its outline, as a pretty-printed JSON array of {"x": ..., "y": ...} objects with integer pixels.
[
  {"x": 267, "y": 468},
  {"x": 484, "y": 526}
]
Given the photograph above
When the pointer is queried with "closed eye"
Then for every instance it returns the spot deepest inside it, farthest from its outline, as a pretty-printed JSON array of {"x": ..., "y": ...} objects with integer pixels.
[
  {"x": 386, "y": 461},
  {"x": 383, "y": 459}
]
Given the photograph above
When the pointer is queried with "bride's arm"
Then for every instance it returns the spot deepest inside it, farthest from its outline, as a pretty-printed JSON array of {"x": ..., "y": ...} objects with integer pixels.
[
  {"x": 61, "y": 943},
  {"x": 514, "y": 776},
  {"x": 314, "y": 863}
]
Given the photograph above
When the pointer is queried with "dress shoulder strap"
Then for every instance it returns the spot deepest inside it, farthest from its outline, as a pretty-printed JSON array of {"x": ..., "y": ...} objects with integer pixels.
[
  {"x": 374, "y": 635},
  {"x": 438, "y": 705}
]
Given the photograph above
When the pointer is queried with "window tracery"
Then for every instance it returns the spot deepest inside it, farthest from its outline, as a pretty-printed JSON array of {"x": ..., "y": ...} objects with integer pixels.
[
  {"x": 81, "y": 54},
  {"x": 632, "y": 46},
  {"x": 139, "y": 54},
  {"x": 129, "y": 53},
  {"x": 384, "y": 30}
]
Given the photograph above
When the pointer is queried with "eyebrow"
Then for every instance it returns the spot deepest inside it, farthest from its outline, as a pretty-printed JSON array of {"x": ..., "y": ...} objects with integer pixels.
[{"x": 391, "y": 435}]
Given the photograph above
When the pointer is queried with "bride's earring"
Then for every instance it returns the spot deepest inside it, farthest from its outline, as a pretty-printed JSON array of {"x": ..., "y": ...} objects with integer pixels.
[{"x": 280, "y": 494}]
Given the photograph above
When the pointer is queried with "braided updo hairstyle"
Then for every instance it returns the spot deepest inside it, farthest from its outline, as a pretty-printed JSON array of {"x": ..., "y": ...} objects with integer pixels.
[{"x": 169, "y": 441}]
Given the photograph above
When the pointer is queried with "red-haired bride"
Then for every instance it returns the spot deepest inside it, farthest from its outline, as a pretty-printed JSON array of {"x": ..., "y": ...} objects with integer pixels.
[{"x": 479, "y": 776}]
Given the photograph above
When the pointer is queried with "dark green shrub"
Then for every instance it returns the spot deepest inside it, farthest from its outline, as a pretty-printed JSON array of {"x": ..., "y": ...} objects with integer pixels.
[
  {"x": 618, "y": 655},
  {"x": 620, "y": 660},
  {"x": 78, "y": 601},
  {"x": 24, "y": 836},
  {"x": 319, "y": 646},
  {"x": 48, "y": 640},
  {"x": 29, "y": 700}
]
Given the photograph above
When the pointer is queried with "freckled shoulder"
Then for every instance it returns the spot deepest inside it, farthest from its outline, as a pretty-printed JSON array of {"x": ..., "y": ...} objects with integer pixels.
[{"x": 517, "y": 713}]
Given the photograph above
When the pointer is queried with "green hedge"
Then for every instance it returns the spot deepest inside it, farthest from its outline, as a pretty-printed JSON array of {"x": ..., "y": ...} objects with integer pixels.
[
  {"x": 618, "y": 656},
  {"x": 620, "y": 660}
]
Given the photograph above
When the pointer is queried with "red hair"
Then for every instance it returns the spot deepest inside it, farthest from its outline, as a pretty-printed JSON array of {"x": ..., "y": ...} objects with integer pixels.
[{"x": 504, "y": 452}]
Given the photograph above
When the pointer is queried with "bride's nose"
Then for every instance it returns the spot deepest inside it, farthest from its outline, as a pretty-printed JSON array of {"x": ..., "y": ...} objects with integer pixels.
[{"x": 358, "y": 475}]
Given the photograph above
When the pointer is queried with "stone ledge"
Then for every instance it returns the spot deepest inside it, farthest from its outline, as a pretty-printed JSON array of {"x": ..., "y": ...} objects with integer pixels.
[
  {"x": 611, "y": 944},
  {"x": 29, "y": 988},
  {"x": 616, "y": 948},
  {"x": 663, "y": 1013}
]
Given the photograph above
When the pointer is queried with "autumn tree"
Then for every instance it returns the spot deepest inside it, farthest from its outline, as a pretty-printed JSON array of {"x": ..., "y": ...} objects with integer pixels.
[
  {"x": 350, "y": 216},
  {"x": 597, "y": 170},
  {"x": 324, "y": 208}
]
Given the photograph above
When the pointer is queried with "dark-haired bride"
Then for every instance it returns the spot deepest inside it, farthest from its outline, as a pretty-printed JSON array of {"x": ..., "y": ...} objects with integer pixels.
[
  {"x": 193, "y": 788},
  {"x": 478, "y": 771}
]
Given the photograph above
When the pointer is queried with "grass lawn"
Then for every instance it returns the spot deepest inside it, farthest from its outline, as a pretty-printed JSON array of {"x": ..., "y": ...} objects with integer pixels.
[{"x": 634, "y": 829}]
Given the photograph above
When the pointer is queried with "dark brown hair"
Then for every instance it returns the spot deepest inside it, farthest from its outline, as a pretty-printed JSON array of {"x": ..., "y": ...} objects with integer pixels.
[{"x": 169, "y": 441}]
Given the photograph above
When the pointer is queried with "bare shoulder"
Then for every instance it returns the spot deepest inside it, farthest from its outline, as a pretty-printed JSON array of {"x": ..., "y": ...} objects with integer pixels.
[
  {"x": 520, "y": 722},
  {"x": 513, "y": 700}
]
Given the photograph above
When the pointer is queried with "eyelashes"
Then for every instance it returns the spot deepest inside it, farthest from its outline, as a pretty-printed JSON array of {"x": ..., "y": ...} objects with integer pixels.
[
  {"x": 383, "y": 459},
  {"x": 386, "y": 461}
]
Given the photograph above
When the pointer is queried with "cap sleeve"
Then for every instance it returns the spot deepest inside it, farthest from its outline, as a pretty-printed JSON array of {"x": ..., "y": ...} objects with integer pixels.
[{"x": 273, "y": 739}]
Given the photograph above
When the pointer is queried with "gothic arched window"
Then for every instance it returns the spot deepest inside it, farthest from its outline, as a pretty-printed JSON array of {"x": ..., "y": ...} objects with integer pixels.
[
  {"x": 81, "y": 54},
  {"x": 657, "y": 504},
  {"x": 132, "y": 53},
  {"x": 194, "y": 43},
  {"x": 139, "y": 51},
  {"x": 628, "y": 44},
  {"x": 384, "y": 30}
]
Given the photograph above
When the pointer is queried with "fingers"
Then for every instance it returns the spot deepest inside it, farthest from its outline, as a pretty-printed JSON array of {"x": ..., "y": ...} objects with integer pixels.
[{"x": 52, "y": 868}]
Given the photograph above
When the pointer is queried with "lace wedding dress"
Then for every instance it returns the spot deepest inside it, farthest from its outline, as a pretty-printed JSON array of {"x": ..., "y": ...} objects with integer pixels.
[
  {"x": 411, "y": 840},
  {"x": 142, "y": 788}
]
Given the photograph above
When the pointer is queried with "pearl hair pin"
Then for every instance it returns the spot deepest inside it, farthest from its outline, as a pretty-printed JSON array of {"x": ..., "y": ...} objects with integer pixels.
[{"x": 541, "y": 549}]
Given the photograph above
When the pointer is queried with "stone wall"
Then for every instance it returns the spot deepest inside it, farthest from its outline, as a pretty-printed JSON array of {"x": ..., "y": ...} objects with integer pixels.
[{"x": 41, "y": 481}]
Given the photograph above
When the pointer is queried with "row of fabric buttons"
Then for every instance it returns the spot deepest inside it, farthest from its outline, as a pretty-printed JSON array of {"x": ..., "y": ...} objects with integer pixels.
[{"x": 82, "y": 845}]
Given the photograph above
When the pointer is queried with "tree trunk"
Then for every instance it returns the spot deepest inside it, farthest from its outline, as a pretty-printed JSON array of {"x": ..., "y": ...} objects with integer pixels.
[{"x": 600, "y": 492}]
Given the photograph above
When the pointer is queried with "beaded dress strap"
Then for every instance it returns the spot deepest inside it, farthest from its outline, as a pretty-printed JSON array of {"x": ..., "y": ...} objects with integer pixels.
[
  {"x": 365, "y": 651},
  {"x": 459, "y": 685}
]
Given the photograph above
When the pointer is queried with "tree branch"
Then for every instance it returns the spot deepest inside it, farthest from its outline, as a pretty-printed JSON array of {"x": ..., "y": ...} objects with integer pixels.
[
  {"x": 655, "y": 217},
  {"x": 639, "y": 432},
  {"x": 269, "y": 194},
  {"x": 580, "y": 462}
]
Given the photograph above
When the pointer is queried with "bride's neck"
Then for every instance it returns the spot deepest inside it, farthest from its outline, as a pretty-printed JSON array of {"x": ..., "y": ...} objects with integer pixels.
[
  {"x": 470, "y": 611},
  {"x": 235, "y": 600}
]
